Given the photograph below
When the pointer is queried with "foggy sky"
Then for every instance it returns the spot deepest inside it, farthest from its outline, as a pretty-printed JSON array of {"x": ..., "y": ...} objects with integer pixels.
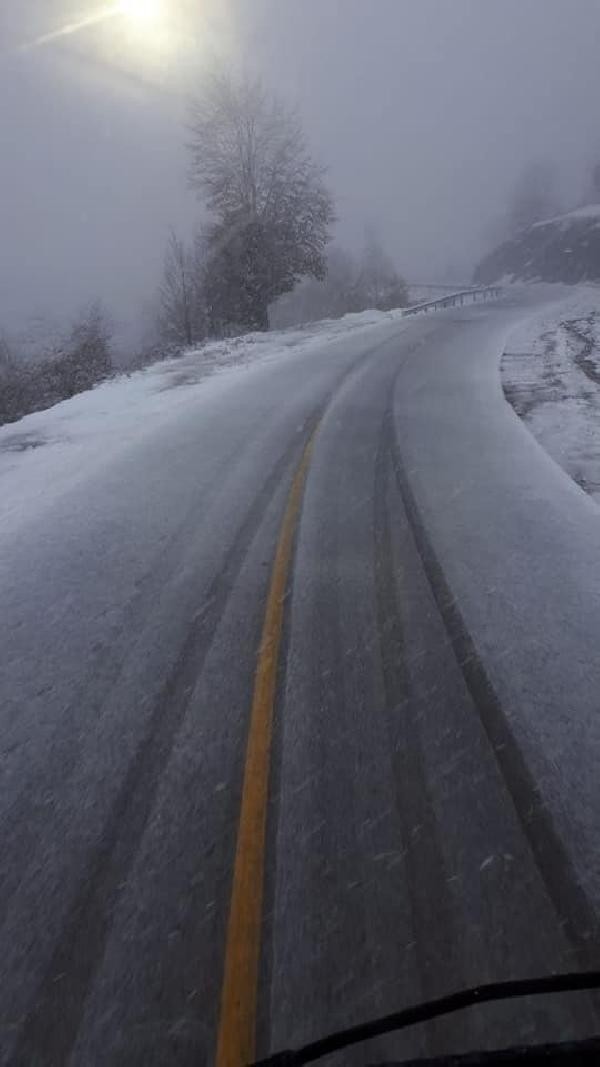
[{"x": 423, "y": 110}]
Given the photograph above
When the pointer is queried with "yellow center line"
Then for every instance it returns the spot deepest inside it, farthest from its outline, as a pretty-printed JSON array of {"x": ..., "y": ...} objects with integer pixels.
[{"x": 236, "y": 1042}]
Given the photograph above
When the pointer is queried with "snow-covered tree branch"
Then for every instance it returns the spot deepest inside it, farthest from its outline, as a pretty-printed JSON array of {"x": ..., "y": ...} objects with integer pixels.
[{"x": 271, "y": 211}]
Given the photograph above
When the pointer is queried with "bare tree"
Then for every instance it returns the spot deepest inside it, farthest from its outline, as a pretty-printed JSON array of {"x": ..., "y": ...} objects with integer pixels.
[
  {"x": 178, "y": 293},
  {"x": 330, "y": 297},
  {"x": 72, "y": 363},
  {"x": 380, "y": 284},
  {"x": 87, "y": 357},
  {"x": 348, "y": 286},
  {"x": 6, "y": 356},
  {"x": 342, "y": 283},
  {"x": 535, "y": 196},
  {"x": 11, "y": 384},
  {"x": 271, "y": 211},
  {"x": 594, "y": 183}
]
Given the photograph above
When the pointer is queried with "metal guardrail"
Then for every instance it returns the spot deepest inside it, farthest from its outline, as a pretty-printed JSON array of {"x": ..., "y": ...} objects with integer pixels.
[{"x": 488, "y": 292}]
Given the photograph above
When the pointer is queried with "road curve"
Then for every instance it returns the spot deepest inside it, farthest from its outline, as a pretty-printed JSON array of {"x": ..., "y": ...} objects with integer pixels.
[{"x": 421, "y": 833}]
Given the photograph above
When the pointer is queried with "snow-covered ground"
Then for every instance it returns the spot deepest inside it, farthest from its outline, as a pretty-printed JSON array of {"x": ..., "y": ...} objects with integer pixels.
[
  {"x": 47, "y": 452},
  {"x": 551, "y": 376}
]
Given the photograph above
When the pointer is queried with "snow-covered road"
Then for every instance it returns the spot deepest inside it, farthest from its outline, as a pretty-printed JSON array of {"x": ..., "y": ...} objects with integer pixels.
[{"x": 436, "y": 732}]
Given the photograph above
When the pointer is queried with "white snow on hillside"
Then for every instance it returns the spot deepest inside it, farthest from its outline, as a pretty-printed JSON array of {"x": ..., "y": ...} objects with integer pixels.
[
  {"x": 580, "y": 214},
  {"x": 551, "y": 376}
]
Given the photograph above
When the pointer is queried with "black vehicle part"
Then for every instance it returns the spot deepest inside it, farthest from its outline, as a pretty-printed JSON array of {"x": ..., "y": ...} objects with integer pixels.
[
  {"x": 466, "y": 998},
  {"x": 561, "y": 1055}
]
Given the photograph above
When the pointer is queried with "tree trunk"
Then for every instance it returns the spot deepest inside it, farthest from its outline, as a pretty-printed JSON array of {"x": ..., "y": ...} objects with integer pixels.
[{"x": 258, "y": 318}]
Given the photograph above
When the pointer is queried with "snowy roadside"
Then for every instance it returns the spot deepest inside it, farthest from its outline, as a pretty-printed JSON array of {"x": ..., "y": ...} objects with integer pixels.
[
  {"x": 551, "y": 376},
  {"x": 47, "y": 452}
]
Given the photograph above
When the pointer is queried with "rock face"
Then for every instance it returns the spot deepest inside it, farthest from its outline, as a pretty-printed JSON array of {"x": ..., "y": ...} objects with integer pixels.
[{"x": 563, "y": 249}]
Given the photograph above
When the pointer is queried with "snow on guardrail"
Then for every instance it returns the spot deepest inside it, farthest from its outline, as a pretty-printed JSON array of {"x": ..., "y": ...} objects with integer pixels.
[{"x": 487, "y": 292}]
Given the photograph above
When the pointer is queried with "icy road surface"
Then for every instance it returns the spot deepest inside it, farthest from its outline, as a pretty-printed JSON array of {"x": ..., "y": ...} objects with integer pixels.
[{"x": 433, "y": 787}]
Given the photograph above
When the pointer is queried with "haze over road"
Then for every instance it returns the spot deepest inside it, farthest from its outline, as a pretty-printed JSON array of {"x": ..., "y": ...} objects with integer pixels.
[{"x": 370, "y": 533}]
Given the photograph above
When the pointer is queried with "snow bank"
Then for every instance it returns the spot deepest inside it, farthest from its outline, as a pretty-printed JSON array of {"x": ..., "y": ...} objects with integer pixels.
[{"x": 551, "y": 376}]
